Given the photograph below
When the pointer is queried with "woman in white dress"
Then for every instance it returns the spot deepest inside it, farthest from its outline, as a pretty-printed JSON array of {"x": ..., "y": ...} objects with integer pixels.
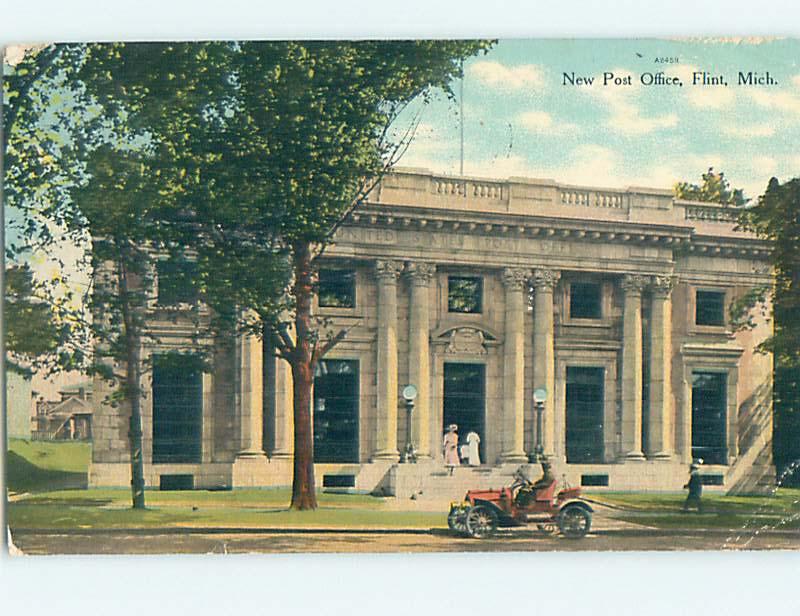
[{"x": 473, "y": 455}]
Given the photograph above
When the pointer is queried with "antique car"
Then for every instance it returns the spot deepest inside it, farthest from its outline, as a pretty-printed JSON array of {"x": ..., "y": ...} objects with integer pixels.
[{"x": 484, "y": 511}]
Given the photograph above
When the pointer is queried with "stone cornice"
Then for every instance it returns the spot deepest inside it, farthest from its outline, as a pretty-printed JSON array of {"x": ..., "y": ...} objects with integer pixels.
[{"x": 679, "y": 238}]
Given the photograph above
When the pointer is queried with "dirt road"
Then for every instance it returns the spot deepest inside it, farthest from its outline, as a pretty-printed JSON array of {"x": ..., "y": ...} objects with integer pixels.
[{"x": 435, "y": 541}]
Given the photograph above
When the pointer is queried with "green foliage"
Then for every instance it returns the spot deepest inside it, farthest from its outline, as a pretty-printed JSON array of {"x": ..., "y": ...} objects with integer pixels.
[
  {"x": 33, "y": 333},
  {"x": 777, "y": 218},
  {"x": 714, "y": 188}
]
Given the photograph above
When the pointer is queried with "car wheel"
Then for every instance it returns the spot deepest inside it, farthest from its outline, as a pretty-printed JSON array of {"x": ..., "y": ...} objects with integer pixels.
[
  {"x": 481, "y": 522},
  {"x": 457, "y": 520},
  {"x": 574, "y": 522}
]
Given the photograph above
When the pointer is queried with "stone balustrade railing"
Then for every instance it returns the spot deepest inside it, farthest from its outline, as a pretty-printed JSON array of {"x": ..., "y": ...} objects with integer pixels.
[
  {"x": 591, "y": 198},
  {"x": 713, "y": 213},
  {"x": 531, "y": 196},
  {"x": 464, "y": 188}
]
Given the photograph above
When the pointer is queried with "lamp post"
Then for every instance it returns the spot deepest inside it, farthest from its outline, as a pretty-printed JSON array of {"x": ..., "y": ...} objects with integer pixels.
[
  {"x": 539, "y": 398},
  {"x": 409, "y": 395}
]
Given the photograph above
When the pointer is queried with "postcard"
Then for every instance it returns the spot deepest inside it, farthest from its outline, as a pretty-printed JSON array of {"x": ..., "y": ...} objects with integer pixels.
[{"x": 392, "y": 296}]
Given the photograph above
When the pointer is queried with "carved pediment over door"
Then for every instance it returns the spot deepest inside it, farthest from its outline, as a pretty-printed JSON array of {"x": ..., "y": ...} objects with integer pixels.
[{"x": 465, "y": 339}]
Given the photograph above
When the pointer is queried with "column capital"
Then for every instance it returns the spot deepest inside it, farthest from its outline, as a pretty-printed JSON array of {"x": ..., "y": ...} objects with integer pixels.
[
  {"x": 633, "y": 284},
  {"x": 388, "y": 270},
  {"x": 420, "y": 272},
  {"x": 545, "y": 279},
  {"x": 662, "y": 286},
  {"x": 516, "y": 278}
]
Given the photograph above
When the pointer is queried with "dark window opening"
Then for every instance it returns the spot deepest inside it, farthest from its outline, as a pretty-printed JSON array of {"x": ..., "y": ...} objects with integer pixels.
[
  {"x": 465, "y": 294},
  {"x": 177, "y": 410},
  {"x": 585, "y": 402},
  {"x": 338, "y": 481},
  {"x": 176, "y": 482},
  {"x": 336, "y": 411},
  {"x": 465, "y": 400},
  {"x": 585, "y": 300},
  {"x": 177, "y": 282},
  {"x": 710, "y": 308},
  {"x": 709, "y": 413},
  {"x": 594, "y": 480},
  {"x": 337, "y": 288}
]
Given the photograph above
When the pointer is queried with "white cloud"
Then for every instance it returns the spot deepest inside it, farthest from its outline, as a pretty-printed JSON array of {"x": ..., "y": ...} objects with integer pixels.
[
  {"x": 624, "y": 113},
  {"x": 796, "y": 80},
  {"x": 776, "y": 100},
  {"x": 763, "y": 165},
  {"x": 751, "y": 131},
  {"x": 710, "y": 97},
  {"x": 502, "y": 77},
  {"x": 500, "y": 167},
  {"x": 543, "y": 123},
  {"x": 629, "y": 121}
]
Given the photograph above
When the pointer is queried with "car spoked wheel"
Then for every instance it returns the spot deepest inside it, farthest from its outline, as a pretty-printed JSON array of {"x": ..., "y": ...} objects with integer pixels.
[
  {"x": 457, "y": 520},
  {"x": 574, "y": 522},
  {"x": 481, "y": 522}
]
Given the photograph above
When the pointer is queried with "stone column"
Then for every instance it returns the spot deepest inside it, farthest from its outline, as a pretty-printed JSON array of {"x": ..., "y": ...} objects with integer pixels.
[
  {"x": 386, "y": 420},
  {"x": 283, "y": 409},
  {"x": 419, "y": 371},
  {"x": 661, "y": 423},
  {"x": 632, "y": 284},
  {"x": 251, "y": 391},
  {"x": 516, "y": 284},
  {"x": 544, "y": 362}
]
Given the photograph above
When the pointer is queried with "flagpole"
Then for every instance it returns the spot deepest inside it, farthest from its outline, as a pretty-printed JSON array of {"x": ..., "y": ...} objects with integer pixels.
[{"x": 461, "y": 117}]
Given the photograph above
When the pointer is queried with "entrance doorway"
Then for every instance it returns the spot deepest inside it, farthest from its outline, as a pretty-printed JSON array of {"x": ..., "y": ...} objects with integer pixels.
[
  {"x": 336, "y": 411},
  {"x": 465, "y": 400}
]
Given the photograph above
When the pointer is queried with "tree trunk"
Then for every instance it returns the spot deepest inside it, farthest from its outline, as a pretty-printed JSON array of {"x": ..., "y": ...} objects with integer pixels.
[
  {"x": 303, "y": 494},
  {"x": 133, "y": 370}
]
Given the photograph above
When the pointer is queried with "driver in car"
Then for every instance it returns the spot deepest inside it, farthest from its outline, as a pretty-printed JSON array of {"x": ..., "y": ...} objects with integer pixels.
[
  {"x": 547, "y": 478},
  {"x": 527, "y": 494}
]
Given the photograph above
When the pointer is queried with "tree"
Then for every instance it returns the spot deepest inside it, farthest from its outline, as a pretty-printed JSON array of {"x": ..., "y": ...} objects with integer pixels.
[
  {"x": 33, "y": 334},
  {"x": 714, "y": 188},
  {"x": 89, "y": 157},
  {"x": 250, "y": 155},
  {"x": 776, "y": 218},
  {"x": 302, "y": 143}
]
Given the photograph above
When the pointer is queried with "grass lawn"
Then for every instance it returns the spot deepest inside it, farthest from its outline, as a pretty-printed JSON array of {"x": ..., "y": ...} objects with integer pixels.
[
  {"x": 780, "y": 510},
  {"x": 236, "y": 508},
  {"x": 47, "y": 470},
  {"x": 55, "y": 475},
  {"x": 46, "y": 465}
]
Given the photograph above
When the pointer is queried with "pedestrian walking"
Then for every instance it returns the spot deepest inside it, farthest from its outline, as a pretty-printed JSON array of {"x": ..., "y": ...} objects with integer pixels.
[
  {"x": 450, "y": 446},
  {"x": 695, "y": 487}
]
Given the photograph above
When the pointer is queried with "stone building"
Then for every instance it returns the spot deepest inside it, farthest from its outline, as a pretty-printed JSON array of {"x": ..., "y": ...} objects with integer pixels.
[{"x": 479, "y": 292}]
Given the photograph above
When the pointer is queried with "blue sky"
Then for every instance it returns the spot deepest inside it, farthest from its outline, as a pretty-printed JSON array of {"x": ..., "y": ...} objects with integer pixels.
[{"x": 521, "y": 121}]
